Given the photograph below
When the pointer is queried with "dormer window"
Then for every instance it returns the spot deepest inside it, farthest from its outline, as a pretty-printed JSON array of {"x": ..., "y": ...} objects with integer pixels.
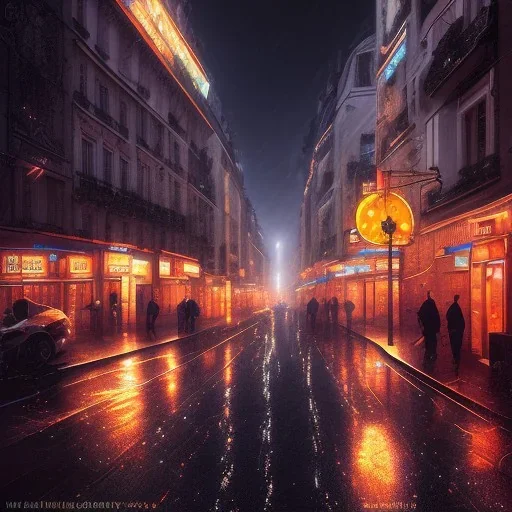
[{"x": 364, "y": 70}]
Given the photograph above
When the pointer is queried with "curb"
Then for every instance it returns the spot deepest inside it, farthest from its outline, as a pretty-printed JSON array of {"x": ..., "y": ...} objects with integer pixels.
[
  {"x": 474, "y": 406},
  {"x": 113, "y": 357}
]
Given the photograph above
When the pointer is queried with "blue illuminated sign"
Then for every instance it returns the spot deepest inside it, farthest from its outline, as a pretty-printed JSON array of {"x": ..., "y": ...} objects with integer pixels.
[
  {"x": 398, "y": 57},
  {"x": 457, "y": 248},
  {"x": 53, "y": 257}
]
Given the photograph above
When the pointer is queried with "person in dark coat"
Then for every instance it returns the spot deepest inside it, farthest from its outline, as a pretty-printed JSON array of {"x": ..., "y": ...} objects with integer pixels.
[
  {"x": 9, "y": 319},
  {"x": 312, "y": 310},
  {"x": 191, "y": 313},
  {"x": 182, "y": 313},
  {"x": 151, "y": 315},
  {"x": 334, "y": 310},
  {"x": 349, "y": 311},
  {"x": 430, "y": 322},
  {"x": 456, "y": 326}
]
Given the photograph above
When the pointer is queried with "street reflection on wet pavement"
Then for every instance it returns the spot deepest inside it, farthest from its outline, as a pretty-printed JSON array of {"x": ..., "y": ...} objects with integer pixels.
[{"x": 270, "y": 417}]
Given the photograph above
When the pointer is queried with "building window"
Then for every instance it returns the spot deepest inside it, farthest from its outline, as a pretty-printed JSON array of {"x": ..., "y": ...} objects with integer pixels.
[
  {"x": 140, "y": 179},
  {"x": 367, "y": 148},
  {"x": 364, "y": 69},
  {"x": 55, "y": 201},
  {"x": 107, "y": 165},
  {"x": 123, "y": 164},
  {"x": 140, "y": 235},
  {"x": 474, "y": 133},
  {"x": 158, "y": 137},
  {"x": 87, "y": 158},
  {"x": 126, "y": 232},
  {"x": 141, "y": 122},
  {"x": 123, "y": 114},
  {"x": 177, "y": 196},
  {"x": 103, "y": 31},
  {"x": 177, "y": 154},
  {"x": 432, "y": 136},
  {"x": 87, "y": 224},
  {"x": 169, "y": 189},
  {"x": 108, "y": 229},
  {"x": 104, "y": 99},
  {"x": 81, "y": 12},
  {"x": 83, "y": 79}
]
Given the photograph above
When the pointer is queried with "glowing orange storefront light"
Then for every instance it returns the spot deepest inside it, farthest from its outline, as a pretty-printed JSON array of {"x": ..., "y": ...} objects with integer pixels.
[{"x": 375, "y": 208}]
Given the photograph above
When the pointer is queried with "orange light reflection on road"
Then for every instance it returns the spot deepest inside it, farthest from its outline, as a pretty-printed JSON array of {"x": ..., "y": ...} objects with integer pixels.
[
  {"x": 376, "y": 467},
  {"x": 172, "y": 381}
]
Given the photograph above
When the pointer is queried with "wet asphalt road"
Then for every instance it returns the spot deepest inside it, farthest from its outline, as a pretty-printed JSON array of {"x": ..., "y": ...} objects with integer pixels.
[{"x": 272, "y": 418}]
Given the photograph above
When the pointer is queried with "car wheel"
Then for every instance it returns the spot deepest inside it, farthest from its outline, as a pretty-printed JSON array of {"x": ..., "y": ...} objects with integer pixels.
[{"x": 40, "y": 351}]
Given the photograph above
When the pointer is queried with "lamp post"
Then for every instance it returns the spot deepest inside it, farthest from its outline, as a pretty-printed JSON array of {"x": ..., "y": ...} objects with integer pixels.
[{"x": 389, "y": 227}]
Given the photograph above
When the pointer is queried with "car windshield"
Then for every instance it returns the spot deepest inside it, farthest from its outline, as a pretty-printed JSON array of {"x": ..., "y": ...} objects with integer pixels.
[{"x": 25, "y": 308}]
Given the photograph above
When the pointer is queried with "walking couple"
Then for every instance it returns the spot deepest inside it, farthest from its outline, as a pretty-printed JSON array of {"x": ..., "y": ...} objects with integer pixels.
[
  {"x": 430, "y": 322},
  {"x": 188, "y": 310}
]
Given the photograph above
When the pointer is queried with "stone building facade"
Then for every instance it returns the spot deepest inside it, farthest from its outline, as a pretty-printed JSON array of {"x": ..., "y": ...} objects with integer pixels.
[{"x": 115, "y": 149}]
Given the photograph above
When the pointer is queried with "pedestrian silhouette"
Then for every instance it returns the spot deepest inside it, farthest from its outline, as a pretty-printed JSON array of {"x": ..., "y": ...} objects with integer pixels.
[
  {"x": 191, "y": 313},
  {"x": 430, "y": 322},
  {"x": 456, "y": 326},
  {"x": 312, "y": 310},
  {"x": 152, "y": 313},
  {"x": 182, "y": 314},
  {"x": 349, "y": 311}
]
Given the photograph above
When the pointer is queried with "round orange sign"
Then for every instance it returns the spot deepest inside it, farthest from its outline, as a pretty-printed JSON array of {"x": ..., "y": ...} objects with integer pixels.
[{"x": 375, "y": 208}]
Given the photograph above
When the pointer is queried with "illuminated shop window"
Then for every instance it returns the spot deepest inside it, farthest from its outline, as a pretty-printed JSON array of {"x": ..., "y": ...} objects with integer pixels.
[{"x": 395, "y": 60}]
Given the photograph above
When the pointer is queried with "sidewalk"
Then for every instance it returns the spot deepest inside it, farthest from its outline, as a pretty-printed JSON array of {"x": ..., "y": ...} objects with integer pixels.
[
  {"x": 87, "y": 349},
  {"x": 472, "y": 384}
]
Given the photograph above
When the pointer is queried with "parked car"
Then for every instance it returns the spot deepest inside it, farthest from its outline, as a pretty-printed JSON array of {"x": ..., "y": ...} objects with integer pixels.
[{"x": 38, "y": 334}]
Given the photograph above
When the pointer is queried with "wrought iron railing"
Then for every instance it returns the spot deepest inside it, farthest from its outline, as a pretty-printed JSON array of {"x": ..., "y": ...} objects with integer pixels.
[
  {"x": 457, "y": 44},
  {"x": 472, "y": 178},
  {"x": 126, "y": 203}
]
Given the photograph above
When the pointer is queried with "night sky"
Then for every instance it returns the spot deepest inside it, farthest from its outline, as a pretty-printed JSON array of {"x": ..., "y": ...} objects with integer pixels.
[{"x": 268, "y": 63}]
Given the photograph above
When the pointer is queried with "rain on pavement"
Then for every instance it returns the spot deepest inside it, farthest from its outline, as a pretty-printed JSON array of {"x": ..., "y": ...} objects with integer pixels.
[{"x": 267, "y": 417}]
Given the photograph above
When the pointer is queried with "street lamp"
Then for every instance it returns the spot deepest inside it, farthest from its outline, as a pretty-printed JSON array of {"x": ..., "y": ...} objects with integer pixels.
[
  {"x": 385, "y": 218},
  {"x": 389, "y": 227}
]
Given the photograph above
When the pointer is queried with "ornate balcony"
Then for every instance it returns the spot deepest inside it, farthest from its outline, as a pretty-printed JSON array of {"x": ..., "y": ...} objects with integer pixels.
[
  {"x": 126, "y": 203},
  {"x": 472, "y": 178},
  {"x": 455, "y": 46}
]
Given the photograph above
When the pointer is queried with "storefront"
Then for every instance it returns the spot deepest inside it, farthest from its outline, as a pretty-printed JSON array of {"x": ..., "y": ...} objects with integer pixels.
[
  {"x": 127, "y": 286},
  {"x": 56, "y": 278},
  {"x": 490, "y": 264},
  {"x": 174, "y": 283},
  {"x": 362, "y": 281}
]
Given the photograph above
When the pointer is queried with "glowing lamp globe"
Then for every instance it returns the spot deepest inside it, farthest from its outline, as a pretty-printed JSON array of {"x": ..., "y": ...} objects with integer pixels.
[{"x": 375, "y": 208}]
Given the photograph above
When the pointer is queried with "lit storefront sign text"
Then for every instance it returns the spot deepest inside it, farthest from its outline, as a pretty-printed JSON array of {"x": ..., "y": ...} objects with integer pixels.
[
  {"x": 80, "y": 265},
  {"x": 140, "y": 268},
  {"x": 165, "y": 268},
  {"x": 191, "y": 268},
  {"x": 118, "y": 263},
  {"x": 12, "y": 264},
  {"x": 33, "y": 265}
]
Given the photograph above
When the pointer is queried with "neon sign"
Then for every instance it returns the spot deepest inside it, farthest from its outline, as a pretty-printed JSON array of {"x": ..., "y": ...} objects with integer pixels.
[
  {"x": 154, "y": 18},
  {"x": 398, "y": 57}
]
